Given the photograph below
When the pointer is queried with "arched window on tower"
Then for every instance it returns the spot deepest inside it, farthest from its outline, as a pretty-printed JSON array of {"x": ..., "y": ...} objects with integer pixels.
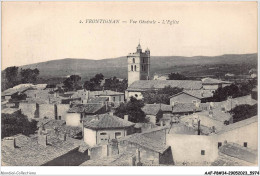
[
  {"x": 133, "y": 60},
  {"x": 135, "y": 67},
  {"x": 131, "y": 68},
  {"x": 143, "y": 60},
  {"x": 142, "y": 68}
]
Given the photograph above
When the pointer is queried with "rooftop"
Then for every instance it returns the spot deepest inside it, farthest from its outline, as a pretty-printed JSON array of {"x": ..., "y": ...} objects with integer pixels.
[
  {"x": 29, "y": 153},
  {"x": 97, "y": 99},
  {"x": 143, "y": 85},
  {"x": 106, "y": 121},
  {"x": 217, "y": 114},
  {"x": 185, "y": 107},
  {"x": 86, "y": 108},
  {"x": 9, "y": 110},
  {"x": 239, "y": 124},
  {"x": 213, "y": 81},
  {"x": 232, "y": 154}
]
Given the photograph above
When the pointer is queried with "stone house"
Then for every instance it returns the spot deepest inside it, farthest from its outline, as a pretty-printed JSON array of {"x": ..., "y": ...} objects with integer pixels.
[
  {"x": 77, "y": 112},
  {"x": 101, "y": 129}
]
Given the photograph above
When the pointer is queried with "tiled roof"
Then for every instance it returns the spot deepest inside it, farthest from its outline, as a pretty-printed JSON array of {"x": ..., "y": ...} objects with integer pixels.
[
  {"x": 217, "y": 115},
  {"x": 153, "y": 109},
  {"x": 185, "y": 107},
  {"x": 144, "y": 141},
  {"x": 239, "y": 124},
  {"x": 233, "y": 150},
  {"x": 159, "y": 84},
  {"x": 87, "y": 108},
  {"x": 97, "y": 99},
  {"x": 30, "y": 153},
  {"x": 214, "y": 81},
  {"x": 106, "y": 121},
  {"x": 9, "y": 110}
]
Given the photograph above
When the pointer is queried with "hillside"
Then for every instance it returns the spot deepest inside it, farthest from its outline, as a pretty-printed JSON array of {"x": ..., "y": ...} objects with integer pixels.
[{"x": 160, "y": 64}]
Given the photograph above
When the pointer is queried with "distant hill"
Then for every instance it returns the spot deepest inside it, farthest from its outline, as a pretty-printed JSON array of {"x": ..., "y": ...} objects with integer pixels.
[{"x": 160, "y": 64}]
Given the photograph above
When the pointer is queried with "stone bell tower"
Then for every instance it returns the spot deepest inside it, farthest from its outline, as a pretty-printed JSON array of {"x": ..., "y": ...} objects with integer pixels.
[{"x": 138, "y": 65}]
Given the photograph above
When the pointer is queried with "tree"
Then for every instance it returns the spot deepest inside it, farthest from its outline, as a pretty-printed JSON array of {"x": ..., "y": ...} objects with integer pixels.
[
  {"x": 94, "y": 83},
  {"x": 12, "y": 124},
  {"x": 160, "y": 96},
  {"x": 72, "y": 83},
  {"x": 29, "y": 75},
  {"x": 177, "y": 76},
  {"x": 242, "y": 112},
  {"x": 115, "y": 84},
  {"x": 133, "y": 109},
  {"x": 10, "y": 75}
]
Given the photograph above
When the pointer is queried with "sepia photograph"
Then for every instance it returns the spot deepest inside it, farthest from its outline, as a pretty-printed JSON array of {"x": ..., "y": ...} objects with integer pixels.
[{"x": 129, "y": 84}]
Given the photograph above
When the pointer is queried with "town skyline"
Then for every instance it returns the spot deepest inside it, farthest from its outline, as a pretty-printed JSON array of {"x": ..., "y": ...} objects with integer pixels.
[{"x": 51, "y": 35}]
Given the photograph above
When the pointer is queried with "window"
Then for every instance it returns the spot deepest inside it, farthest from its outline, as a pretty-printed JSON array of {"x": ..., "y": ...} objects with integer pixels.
[
  {"x": 133, "y": 60},
  {"x": 135, "y": 67},
  {"x": 119, "y": 98},
  {"x": 102, "y": 134},
  {"x": 194, "y": 101},
  {"x": 202, "y": 152},
  {"x": 114, "y": 99},
  {"x": 144, "y": 67},
  {"x": 59, "y": 117},
  {"x": 245, "y": 144},
  {"x": 219, "y": 144},
  {"x": 143, "y": 60},
  {"x": 131, "y": 68},
  {"x": 117, "y": 135}
]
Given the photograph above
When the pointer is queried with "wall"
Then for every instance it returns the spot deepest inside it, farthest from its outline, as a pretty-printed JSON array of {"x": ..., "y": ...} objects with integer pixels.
[
  {"x": 183, "y": 98},
  {"x": 187, "y": 148},
  {"x": 28, "y": 109},
  {"x": 247, "y": 134},
  {"x": 73, "y": 119},
  {"x": 210, "y": 87},
  {"x": 72, "y": 158},
  {"x": 204, "y": 121},
  {"x": 110, "y": 134},
  {"x": 146, "y": 156},
  {"x": 47, "y": 110},
  {"x": 89, "y": 137},
  {"x": 133, "y": 75},
  {"x": 117, "y": 98},
  {"x": 62, "y": 110},
  {"x": 98, "y": 152}
]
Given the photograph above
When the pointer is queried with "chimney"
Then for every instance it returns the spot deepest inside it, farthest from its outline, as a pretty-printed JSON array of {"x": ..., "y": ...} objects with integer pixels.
[
  {"x": 198, "y": 127},
  {"x": 10, "y": 142},
  {"x": 126, "y": 117},
  {"x": 210, "y": 113},
  {"x": 42, "y": 139},
  {"x": 161, "y": 123},
  {"x": 63, "y": 137},
  {"x": 138, "y": 159},
  {"x": 111, "y": 113}
]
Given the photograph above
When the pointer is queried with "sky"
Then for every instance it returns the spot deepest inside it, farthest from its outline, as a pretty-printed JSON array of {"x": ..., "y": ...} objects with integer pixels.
[{"x": 41, "y": 31}]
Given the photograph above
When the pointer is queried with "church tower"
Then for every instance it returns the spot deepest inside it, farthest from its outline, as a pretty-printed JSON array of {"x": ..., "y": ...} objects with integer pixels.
[{"x": 138, "y": 65}]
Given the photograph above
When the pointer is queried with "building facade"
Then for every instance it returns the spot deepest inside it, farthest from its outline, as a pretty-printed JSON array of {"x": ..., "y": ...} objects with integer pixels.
[{"x": 138, "y": 65}]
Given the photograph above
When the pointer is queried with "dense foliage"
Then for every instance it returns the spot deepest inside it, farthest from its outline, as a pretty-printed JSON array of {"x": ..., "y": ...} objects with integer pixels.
[
  {"x": 72, "y": 83},
  {"x": 133, "y": 109},
  {"x": 160, "y": 96},
  {"x": 242, "y": 112},
  {"x": 115, "y": 84},
  {"x": 29, "y": 75},
  {"x": 176, "y": 76},
  {"x": 94, "y": 83},
  {"x": 234, "y": 90},
  {"x": 12, "y": 124}
]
